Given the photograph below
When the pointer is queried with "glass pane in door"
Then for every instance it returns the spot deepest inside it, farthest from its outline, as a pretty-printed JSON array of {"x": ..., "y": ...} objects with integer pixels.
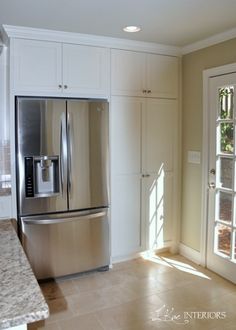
[
  {"x": 226, "y": 102},
  {"x": 223, "y": 239},
  {"x": 225, "y": 202},
  {"x": 227, "y": 138},
  {"x": 226, "y": 172}
]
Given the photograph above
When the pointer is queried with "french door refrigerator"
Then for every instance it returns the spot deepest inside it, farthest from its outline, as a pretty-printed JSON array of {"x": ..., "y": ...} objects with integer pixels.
[{"x": 62, "y": 184}]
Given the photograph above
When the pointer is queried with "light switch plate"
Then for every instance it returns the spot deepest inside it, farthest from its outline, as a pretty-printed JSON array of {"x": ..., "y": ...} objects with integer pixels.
[{"x": 194, "y": 157}]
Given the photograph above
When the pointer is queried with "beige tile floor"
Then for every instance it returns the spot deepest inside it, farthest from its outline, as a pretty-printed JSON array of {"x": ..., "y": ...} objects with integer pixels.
[{"x": 142, "y": 294}]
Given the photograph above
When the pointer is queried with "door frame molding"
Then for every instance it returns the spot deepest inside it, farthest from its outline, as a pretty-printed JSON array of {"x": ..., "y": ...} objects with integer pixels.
[{"x": 207, "y": 74}]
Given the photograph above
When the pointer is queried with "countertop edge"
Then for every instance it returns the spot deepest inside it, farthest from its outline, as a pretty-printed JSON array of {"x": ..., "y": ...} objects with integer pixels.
[{"x": 20, "y": 294}]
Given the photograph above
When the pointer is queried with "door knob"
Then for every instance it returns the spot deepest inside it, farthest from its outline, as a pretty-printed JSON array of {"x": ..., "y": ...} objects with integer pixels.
[{"x": 211, "y": 185}]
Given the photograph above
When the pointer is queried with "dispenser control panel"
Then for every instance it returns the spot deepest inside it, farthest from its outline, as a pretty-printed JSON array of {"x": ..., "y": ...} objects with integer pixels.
[
  {"x": 29, "y": 177},
  {"x": 41, "y": 176}
]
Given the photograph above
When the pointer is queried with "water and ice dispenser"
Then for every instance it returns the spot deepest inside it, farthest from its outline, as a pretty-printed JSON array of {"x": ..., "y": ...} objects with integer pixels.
[{"x": 41, "y": 176}]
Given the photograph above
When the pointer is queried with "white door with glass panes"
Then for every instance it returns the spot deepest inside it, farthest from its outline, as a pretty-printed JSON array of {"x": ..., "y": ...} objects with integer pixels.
[{"x": 221, "y": 244}]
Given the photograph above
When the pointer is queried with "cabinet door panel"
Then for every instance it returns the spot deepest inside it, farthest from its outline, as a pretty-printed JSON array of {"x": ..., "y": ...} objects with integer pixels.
[
  {"x": 162, "y": 76},
  {"x": 161, "y": 123},
  {"x": 37, "y": 66},
  {"x": 126, "y": 116},
  {"x": 126, "y": 215},
  {"x": 85, "y": 69},
  {"x": 159, "y": 206},
  {"x": 160, "y": 161},
  {"x": 127, "y": 73},
  {"x": 126, "y": 123}
]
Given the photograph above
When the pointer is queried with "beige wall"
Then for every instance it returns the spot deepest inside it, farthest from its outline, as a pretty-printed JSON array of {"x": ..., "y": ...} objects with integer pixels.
[{"x": 193, "y": 66}]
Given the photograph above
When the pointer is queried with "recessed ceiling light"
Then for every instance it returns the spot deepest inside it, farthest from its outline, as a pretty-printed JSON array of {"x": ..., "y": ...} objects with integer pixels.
[{"x": 132, "y": 28}]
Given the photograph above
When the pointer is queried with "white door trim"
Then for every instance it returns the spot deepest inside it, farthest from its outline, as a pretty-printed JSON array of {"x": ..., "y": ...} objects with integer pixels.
[{"x": 207, "y": 74}]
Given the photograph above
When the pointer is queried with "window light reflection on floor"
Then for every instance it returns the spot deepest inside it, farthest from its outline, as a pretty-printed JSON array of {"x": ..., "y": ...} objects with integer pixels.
[{"x": 172, "y": 263}]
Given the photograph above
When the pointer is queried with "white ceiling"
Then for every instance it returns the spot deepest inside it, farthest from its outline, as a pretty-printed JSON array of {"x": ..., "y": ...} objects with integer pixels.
[{"x": 171, "y": 22}]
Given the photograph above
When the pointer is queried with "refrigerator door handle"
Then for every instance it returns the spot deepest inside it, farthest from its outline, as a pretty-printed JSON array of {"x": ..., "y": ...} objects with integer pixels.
[
  {"x": 63, "y": 154},
  {"x": 69, "y": 128},
  {"x": 51, "y": 221}
]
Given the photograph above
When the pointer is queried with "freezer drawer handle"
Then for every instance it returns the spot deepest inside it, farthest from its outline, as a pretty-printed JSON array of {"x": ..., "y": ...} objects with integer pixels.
[{"x": 63, "y": 220}]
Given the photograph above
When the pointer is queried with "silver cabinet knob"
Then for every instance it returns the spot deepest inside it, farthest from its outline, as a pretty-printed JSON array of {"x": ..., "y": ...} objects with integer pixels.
[
  {"x": 213, "y": 171},
  {"x": 144, "y": 91},
  {"x": 65, "y": 86},
  {"x": 149, "y": 91},
  {"x": 60, "y": 86},
  {"x": 145, "y": 175}
]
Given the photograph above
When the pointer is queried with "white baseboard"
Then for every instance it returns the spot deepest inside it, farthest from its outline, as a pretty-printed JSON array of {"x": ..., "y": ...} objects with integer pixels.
[
  {"x": 167, "y": 246},
  {"x": 190, "y": 253},
  {"x": 137, "y": 255},
  {"x": 132, "y": 256}
]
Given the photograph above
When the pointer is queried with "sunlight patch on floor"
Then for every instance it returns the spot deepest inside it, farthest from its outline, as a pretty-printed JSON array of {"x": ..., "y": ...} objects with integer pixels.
[{"x": 172, "y": 263}]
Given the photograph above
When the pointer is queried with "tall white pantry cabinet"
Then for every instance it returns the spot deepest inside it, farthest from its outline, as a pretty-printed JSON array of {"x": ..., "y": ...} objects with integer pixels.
[
  {"x": 144, "y": 151},
  {"x": 142, "y": 86}
]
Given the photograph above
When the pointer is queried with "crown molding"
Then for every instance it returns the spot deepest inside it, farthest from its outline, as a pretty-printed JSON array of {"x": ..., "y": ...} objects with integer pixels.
[
  {"x": 10, "y": 31},
  {"x": 216, "y": 39}
]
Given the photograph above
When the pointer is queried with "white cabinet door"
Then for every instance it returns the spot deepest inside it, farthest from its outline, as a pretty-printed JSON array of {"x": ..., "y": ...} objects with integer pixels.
[
  {"x": 126, "y": 117},
  {"x": 126, "y": 215},
  {"x": 36, "y": 66},
  {"x": 85, "y": 70},
  {"x": 127, "y": 73},
  {"x": 127, "y": 227},
  {"x": 144, "y": 158},
  {"x": 160, "y": 134},
  {"x": 159, "y": 161},
  {"x": 162, "y": 76},
  {"x": 141, "y": 74}
]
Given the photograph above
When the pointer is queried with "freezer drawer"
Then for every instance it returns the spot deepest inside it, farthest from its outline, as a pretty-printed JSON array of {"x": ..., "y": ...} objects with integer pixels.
[{"x": 64, "y": 244}]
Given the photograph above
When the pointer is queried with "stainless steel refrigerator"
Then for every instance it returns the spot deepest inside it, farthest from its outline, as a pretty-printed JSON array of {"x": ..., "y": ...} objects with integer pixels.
[{"x": 62, "y": 184}]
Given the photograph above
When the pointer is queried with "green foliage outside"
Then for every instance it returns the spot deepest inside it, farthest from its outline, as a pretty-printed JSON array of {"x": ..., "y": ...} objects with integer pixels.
[{"x": 226, "y": 112}]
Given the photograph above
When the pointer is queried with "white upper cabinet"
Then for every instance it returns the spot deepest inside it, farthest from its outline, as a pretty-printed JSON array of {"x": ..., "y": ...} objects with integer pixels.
[
  {"x": 127, "y": 72},
  {"x": 85, "y": 69},
  {"x": 143, "y": 74},
  {"x": 36, "y": 66},
  {"x": 54, "y": 68},
  {"x": 162, "y": 76}
]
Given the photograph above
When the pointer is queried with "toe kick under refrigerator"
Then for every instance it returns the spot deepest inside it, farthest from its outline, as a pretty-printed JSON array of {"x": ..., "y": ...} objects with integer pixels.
[{"x": 62, "y": 184}]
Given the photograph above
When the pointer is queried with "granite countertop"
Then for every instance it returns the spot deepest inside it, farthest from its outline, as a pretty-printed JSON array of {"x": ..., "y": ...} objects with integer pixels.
[{"x": 21, "y": 300}]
